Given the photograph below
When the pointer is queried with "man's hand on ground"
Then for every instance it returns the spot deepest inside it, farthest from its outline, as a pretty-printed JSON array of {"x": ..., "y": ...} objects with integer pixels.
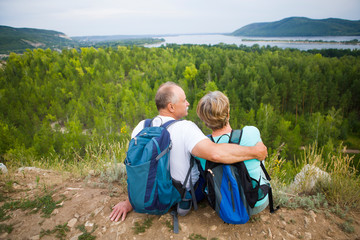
[{"x": 120, "y": 210}]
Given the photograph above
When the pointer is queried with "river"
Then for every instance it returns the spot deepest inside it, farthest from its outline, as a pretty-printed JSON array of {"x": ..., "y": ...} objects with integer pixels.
[{"x": 281, "y": 42}]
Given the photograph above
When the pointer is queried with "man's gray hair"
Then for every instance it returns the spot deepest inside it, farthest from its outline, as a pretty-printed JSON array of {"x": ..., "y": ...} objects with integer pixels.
[{"x": 166, "y": 95}]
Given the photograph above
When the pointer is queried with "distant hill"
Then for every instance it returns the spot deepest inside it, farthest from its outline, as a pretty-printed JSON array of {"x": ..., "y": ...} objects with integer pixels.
[
  {"x": 301, "y": 26},
  {"x": 20, "y": 39}
]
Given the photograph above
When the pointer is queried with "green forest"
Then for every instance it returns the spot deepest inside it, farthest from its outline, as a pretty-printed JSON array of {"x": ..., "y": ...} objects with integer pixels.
[{"x": 56, "y": 104}]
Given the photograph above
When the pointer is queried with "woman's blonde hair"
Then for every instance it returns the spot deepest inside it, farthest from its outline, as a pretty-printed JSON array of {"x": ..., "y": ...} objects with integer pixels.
[{"x": 213, "y": 110}]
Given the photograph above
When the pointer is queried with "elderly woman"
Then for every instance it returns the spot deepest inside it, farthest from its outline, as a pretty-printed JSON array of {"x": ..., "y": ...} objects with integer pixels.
[{"x": 214, "y": 110}]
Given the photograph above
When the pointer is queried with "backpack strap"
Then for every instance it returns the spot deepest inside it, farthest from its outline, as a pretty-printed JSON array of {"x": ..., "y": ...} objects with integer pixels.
[
  {"x": 182, "y": 190},
  {"x": 265, "y": 172},
  {"x": 148, "y": 122},
  {"x": 211, "y": 137},
  {"x": 235, "y": 136},
  {"x": 271, "y": 201},
  {"x": 169, "y": 123},
  {"x": 192, "y": 189}
]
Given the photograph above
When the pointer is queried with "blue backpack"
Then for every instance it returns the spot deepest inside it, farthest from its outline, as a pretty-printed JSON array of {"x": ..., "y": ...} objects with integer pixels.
[
  {"x": 151, "y": 188},
  {"x": 231, "y": 192}
]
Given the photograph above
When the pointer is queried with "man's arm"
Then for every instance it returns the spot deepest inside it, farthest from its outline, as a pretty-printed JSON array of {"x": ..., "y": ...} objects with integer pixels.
[{"x": 228, "y": 153}]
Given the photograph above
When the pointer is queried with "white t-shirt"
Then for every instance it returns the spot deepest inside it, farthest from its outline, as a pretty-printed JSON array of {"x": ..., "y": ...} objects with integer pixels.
[{"x": 184, "y": 136}]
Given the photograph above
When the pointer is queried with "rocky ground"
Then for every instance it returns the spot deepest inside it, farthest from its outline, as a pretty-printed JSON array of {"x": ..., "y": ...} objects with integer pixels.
[{"x": 83, "y": 207}]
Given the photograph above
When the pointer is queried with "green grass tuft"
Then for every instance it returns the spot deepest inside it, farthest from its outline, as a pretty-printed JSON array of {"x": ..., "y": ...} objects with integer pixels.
[
  {"x": 6, "y": 228},
  {"x": 86, "y": 235},
  {"x": 169, "y": 225},
  {"x": 141, "y": 227},
  {"x": 44, "y": 203},
  {"x": 60, "y": 230},
  {"x": 346, "y": 227},
  {"x": 194, "y": 236}
]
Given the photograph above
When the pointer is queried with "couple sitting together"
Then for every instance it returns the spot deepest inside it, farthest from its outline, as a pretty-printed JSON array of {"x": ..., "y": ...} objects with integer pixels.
[{"x": 187, "y": 139}]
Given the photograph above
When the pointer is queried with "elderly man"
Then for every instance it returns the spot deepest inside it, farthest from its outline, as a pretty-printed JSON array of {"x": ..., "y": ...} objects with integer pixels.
[{"x": 187, "y": 139}]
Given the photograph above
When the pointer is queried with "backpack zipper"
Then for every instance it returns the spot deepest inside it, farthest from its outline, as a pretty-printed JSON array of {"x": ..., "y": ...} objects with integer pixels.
[{"x": 135, "y": 138}]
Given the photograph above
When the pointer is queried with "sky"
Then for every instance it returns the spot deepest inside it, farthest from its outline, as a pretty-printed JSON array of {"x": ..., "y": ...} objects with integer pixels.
[{"x": 141, "y": 17}]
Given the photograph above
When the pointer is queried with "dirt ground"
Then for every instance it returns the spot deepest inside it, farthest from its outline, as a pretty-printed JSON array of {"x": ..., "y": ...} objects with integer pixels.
[{"x": 88, "y": 202}]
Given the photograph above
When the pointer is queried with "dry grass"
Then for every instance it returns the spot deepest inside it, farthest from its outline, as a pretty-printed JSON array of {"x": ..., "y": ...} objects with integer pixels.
[{"x": 341, "y": 186}]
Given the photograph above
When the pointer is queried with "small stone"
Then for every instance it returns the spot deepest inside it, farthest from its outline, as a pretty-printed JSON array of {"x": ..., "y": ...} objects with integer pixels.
[
  {"x": 103, "y": 229},
  {"x": 306, "y": 220},
  {"x": 330, "y": 232},
  {"x": 106, "y": 199},
  {"x": 76, "y": 237},
  {"x": 72, "y": 223},
  {"x": 3, "y": 168},
  {"x": 74, "y": 189},
  {"x": 307, "y": 235},
  {"x": 56, "y": 211},
  {"x": 289, "y": 234},
  {"x": 213, "y": 228},
  {"x": 92, "y": 173},
  {"x": 86, "y": 217},
  {"x": 89, "y": 224},
  {"x": 4, "y": 235},
  {"x": 36, "y": 237},
  {"x": 270, "y": 234},
  {"x": 165, "y": 217},
  {"x": 183, "y": 227},
  {"x": 115, "y": 223},
  {"x": 207, "y": 215},
  {"x": 121, "y": 229},
  {"x": 96, "y": 212},
  {"x": 313, "y": 215},
  {"x": 76, "y": 215},
  {"x": 264, "y": 218}
]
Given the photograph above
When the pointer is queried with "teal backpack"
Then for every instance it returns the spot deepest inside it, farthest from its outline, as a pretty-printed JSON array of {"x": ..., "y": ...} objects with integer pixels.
[{"x": 150, "y": 185}]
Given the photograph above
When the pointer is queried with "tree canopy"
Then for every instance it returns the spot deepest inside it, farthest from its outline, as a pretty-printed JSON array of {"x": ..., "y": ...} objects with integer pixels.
[{"x": 57, "y": 103}]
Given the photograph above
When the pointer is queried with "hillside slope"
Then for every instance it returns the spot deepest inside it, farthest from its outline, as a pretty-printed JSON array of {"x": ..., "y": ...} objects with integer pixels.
[
  {"x": 20, "y": 39},
  {"x": 301, "y": 26},
  {"x": 84, "y": 205}
]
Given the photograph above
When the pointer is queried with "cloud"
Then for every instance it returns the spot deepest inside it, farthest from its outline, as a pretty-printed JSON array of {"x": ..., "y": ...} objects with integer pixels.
[{"x": 93, "y": 17}]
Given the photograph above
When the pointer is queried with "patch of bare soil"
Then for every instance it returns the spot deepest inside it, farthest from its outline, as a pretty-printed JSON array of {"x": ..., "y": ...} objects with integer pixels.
[{"x": 88, "y": 203}]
